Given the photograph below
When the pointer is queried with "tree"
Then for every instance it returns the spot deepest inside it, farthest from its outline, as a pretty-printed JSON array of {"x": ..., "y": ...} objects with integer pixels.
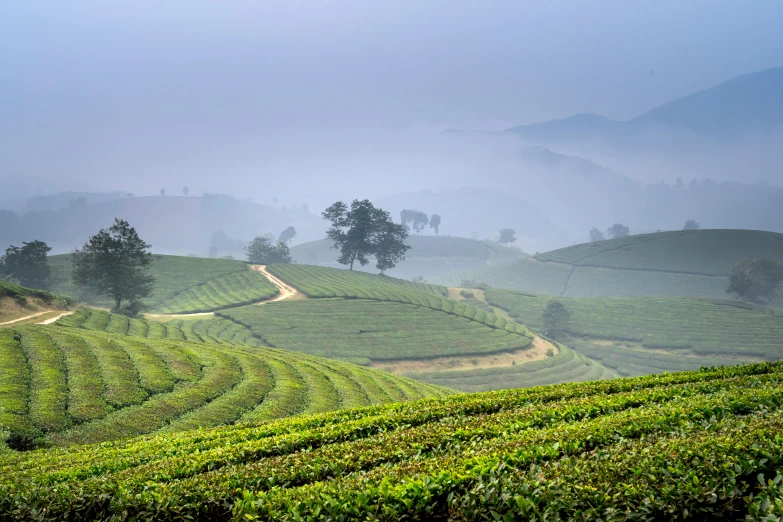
[
  {"x": 390, "y": 245},
  {"x": 414, "y": 220},
  {"x": 27, "y": 265},
  {"x": 596, "y": 235},
  {"x": 555, "y": 317},
  {"x": 115, "y": 263},
  {"x": 162, "y": 192},
  {"x": 353, "y": 231},
  {"x": 435, "y": 222},
  {"x": 618, "y": 230},
  {"x": 185, "y": 190},
  {"x": 755, "y": 280},
  {"x": 287, "y": 235},
  {"x": 507, "y": 236},
  {"x": 691, "y": 225},
  {"x": 264, "y": 251}
]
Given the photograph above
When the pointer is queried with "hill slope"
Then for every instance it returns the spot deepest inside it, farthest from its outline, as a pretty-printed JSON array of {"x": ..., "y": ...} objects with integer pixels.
[
  {"x": 681, "y": 264},
  {"x": 406, "y": 328},
  {"x": 641, "y": 335},
  {"x": 429, "y": 256},
  {"x": 648, "y": 448},
  {"x": 183, "y": 284},
  {"x": 64, "y": 385}
]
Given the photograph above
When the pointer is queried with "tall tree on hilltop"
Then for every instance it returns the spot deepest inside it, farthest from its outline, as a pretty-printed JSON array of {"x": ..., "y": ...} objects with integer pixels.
[
  {"x": 390, "y": 245},
  {"x": 287, "y": 235},
  {"x": 185, "y": 190},
  {"x": 507, "y": 236},
  {"x": 618, "y": 230},
  {"x": 115, "y": 263},
  {"x": 414, "y": 220},
  {"x": 356, "y": 232},
  {"x": 691, "y": 224},
  {"x": 162, "y": 192},
  {"x": 28, "y": 265},
  {"x": 435, "y": 222},
  {"x": 755, "y": 280},
  {"x": 596, "y": 235}
]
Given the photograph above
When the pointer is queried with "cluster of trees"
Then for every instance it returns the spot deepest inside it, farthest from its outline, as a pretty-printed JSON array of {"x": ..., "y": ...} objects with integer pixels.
[
  {"x": 185, "y": 191},
  {"x": 620, "y": 230},
  {"x": 264, "y": 250},
  {"x": 615, "y": 231},
  {"x": 416, "y": 221},
  {"x": 755, "y": 280},
  {"x": 362, "y": 231},
  {"x": 27, "y": 265}
]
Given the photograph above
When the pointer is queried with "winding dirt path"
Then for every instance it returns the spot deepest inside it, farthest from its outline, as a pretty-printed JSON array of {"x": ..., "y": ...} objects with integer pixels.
[
  {"x": 55, "y": 318},
  {"x": 25, "y": 318},
  {"x": 286, "y": 292}
]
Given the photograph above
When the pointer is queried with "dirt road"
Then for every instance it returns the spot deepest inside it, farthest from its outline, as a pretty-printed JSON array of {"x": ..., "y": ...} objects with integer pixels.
[{"x": 286, "y": 292}]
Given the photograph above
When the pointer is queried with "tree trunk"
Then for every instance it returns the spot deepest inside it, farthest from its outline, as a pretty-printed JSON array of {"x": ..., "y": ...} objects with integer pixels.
[
  {"x": 352, "y": 259},
  {"x": 117, "y": 302}
]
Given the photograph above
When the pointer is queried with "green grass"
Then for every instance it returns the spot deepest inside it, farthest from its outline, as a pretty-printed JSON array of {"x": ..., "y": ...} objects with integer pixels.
[
  {"x": 429, "y": 256},
  {"x": 184, "y": 284},
  {"x": 705, "y": 443},
  {"x": 360, "y": 330},
  {"x": 650, "y": 334},
  {"x": 69, "y": 384},
  {"x": 673, "y": 264}
]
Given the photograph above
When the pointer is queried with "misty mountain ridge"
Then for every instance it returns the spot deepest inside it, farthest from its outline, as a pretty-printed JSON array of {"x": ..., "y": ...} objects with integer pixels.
[{"x": 750, "y": 102}]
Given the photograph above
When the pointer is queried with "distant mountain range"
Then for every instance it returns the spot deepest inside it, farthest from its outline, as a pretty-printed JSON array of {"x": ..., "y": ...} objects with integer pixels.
[{"x": 751, "y": 102}]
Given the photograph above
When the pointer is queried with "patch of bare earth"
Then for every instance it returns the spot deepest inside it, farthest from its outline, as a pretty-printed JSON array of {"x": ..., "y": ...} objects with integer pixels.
[
  {"x": 537, "y": 350},
  {"x": 13, "y": 313}
]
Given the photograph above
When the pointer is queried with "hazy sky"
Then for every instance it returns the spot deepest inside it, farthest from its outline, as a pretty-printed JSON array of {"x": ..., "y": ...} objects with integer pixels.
[{"x": 143, "y": 88}]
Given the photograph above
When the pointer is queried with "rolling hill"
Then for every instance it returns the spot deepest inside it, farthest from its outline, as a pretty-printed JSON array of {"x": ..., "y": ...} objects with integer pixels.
[
  {"x": 402, "y": 327},
  {"x": 643, "y": 335},
  {"x": 677, "y": 264},
  {"x": 428, "y": 257},
  {"x": 183, "y": 284},
  {"x": 97, "y": 376},
  {"x": 651, "y": 448},
  {"x": 18, "y": 303}
]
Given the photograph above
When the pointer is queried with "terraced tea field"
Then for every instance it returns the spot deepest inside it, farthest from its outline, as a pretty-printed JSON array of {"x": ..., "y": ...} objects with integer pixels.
[
  {"x": 706, "y": 443},
  {"x": 641, "y": 335},
  {"x": 429, "y": 256},
  {"x": 693, "y": 263},
  {"x": 185, "y": 284},
  {"x": 360, "y": 330},
  {"x": 64, "y": 385}
]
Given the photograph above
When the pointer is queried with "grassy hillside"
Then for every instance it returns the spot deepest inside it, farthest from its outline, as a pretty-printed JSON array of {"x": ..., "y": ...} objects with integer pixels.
[
  {"x": 652, "y": 448},
  {"x": 402, "y": 327},
  {"x": 692, "y": 263},
  {"x": 184, "y": 284},
  {"x": 641, "y": 335},
  {"x": 69, "y": 385},
  {"x": 17, "y": 302},
  {"x": 429, "y": 256}
]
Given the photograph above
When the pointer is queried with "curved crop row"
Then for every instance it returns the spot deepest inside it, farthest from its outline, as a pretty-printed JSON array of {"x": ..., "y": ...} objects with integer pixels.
[
  {"x": 647, "y": 448},
  {"x": 64, "y": 385}
]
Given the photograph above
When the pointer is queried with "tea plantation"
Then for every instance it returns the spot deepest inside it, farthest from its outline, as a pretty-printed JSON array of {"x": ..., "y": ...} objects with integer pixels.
[
  {"x": 641, "y": 335},
  {"x": 184, "y": 284},
  {"x": 693, "y": 263},
  {"x": 63, "y": 385},
  {"x": 706, "y": 445}
]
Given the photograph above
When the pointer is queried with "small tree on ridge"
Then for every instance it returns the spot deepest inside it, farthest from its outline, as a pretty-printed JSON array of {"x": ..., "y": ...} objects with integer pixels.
[{"x": 435, "y": 222}]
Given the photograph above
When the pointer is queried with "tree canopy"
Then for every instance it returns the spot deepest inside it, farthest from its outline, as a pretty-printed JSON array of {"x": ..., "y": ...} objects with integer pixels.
[
  {"x": 115, "y": 263},
  {"x": 618, "y": 230},
  {"x": 555, "y": 317},
  {"x": 507, "y": 236},
  {"x": 596, "y": 235},
  {"x": 363, "y": 231},
  {"x": 27, "y": 265},
  {"x": 287, "y": 235},
  {"x": 414, "y": 220},
  {"x": 691, "y": 224},
  {"x": 264, "y": 251},
  {"x": 755, "y": 280},
  {"x": 435, "y": 222}
]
